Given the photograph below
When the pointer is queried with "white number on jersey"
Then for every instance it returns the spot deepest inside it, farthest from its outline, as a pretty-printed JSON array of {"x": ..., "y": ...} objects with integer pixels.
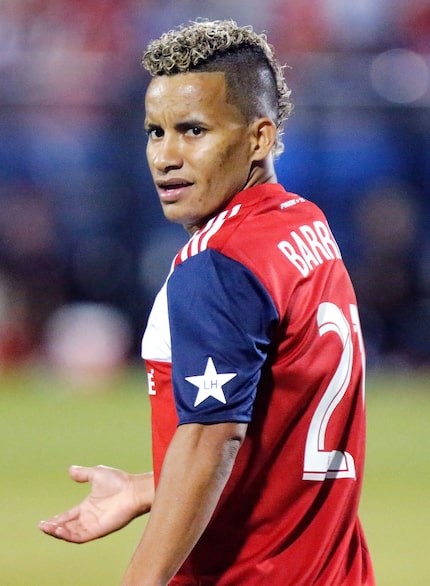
[{"x": 320, "y": 464}]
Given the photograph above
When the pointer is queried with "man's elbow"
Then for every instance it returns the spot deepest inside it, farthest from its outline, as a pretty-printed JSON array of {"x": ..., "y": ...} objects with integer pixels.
[{"x": 233, "y": 441}]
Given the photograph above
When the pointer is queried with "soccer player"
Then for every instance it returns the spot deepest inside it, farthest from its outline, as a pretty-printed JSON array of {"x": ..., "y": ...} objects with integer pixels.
[{"x": 253, "y": 348}]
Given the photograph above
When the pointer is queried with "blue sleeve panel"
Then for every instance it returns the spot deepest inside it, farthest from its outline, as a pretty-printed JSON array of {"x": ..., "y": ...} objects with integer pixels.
[{"x": 221, "y": 321}]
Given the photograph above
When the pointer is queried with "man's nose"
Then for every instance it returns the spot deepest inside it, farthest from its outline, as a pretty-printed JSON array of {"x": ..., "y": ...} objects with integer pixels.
[{"x": 167, "y": 153}]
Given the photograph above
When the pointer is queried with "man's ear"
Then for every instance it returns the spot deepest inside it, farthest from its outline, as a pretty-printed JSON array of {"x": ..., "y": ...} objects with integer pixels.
[{"x": 263, "y": 138}]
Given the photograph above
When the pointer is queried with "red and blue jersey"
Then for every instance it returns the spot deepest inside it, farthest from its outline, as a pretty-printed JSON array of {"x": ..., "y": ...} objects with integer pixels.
[{"x": 258, "y": 323}]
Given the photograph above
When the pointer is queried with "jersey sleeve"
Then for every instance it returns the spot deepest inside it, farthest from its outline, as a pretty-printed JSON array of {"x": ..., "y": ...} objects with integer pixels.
[{"x": 221, "y": 322}]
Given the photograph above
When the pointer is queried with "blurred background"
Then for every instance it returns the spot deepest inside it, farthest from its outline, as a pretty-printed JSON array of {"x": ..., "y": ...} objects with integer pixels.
[
  {"x": 84, "y": 248},
  {"x": 83, "y": 244}
]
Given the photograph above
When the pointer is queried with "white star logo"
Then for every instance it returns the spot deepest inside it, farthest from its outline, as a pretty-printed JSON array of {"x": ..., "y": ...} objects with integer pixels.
[{"x": 210, "y": 383}]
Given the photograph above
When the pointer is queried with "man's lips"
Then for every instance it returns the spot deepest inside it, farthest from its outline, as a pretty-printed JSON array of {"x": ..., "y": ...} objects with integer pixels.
[{"x": 172, "y": 189}]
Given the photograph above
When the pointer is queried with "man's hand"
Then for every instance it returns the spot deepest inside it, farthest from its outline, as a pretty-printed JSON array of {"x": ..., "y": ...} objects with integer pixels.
[{"x": 115, "y": 499}]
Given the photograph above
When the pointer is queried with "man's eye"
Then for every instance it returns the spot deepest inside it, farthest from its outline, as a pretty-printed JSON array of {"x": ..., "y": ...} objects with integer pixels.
[
  {"x": 194, "y": 131},
  {"x": 155, "y": 133}
]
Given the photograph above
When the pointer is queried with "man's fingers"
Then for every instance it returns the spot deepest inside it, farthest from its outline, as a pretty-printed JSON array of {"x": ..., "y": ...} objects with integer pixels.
[
  {"x": 51, "y": 525},
  {"x": 60, "y": 532},
  {"x": 52, "y": 528},
  {"x": 48, "y": 527}
]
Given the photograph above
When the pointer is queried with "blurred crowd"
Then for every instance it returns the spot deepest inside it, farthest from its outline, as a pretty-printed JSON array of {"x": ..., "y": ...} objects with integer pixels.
[{"x": 83, "y": 244}]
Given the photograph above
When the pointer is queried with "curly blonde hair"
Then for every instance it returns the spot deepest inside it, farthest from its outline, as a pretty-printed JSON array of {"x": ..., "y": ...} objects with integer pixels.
[{"x": 255, "y": 79}]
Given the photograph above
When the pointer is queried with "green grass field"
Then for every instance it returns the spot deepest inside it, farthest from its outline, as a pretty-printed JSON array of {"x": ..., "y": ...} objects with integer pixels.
[{"x": 47, "y": 425}]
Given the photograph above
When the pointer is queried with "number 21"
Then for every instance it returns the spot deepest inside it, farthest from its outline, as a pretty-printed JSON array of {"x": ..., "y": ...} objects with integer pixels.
[{"x": 320, "y": 464}]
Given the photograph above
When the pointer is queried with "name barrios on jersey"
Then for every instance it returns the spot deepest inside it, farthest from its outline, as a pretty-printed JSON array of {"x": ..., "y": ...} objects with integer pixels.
[{"x": 310, "y": 246}]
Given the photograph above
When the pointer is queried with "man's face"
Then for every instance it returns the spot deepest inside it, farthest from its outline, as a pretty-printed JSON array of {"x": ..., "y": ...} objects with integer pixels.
[{"x": 199, "y": 149}]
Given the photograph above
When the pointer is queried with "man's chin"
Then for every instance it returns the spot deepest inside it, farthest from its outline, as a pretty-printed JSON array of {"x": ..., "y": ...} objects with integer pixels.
[{"x": 174, "y": 215}]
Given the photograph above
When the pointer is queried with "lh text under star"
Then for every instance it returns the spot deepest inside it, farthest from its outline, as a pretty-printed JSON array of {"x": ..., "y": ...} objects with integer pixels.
[{"x": 210, "y": 383}]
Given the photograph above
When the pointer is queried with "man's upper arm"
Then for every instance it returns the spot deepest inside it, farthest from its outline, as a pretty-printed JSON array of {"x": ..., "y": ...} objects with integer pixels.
[{"x": 221, "y": 322}]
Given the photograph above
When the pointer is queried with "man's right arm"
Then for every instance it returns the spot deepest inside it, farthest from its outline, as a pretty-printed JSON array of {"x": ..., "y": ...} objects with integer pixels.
[{"x": 195, "y": 470}]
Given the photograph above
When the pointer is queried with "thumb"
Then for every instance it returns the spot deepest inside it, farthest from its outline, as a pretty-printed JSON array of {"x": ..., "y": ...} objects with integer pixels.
[{"x": 80, "y": 473}]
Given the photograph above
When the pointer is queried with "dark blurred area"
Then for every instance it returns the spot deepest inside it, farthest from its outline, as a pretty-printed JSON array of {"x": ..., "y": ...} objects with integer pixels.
[{"x": 83, "y": 243}]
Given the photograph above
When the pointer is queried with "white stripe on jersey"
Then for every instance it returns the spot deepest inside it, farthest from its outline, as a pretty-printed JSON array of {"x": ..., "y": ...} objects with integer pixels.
[{"x": 200, "y": 239}]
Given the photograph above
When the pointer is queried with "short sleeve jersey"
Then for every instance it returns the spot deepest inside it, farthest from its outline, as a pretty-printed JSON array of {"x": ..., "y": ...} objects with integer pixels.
[{"x": 258, "y": 323}]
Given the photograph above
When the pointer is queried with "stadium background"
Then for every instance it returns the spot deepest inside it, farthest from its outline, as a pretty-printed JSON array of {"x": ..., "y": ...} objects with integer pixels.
[{"x": 84, "y": 247}]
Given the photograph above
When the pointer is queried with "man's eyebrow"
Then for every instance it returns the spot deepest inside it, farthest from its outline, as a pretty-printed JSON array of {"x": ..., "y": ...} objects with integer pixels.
[
  {"x": 190, "y": 123},
  {"x": 182, "y": 126},
  {"x": 150, "y": 125}
]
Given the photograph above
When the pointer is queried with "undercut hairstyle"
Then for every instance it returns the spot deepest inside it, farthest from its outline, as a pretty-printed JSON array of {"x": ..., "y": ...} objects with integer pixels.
[{"x": 254, "y": 78}]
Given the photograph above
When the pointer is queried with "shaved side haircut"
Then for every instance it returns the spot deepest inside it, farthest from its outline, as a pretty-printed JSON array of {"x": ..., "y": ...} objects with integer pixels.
[{"x": 254, "y": 78}]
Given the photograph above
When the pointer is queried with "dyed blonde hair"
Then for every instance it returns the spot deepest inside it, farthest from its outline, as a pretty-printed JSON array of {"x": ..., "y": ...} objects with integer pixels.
[{"x": 255, "y": 79}]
